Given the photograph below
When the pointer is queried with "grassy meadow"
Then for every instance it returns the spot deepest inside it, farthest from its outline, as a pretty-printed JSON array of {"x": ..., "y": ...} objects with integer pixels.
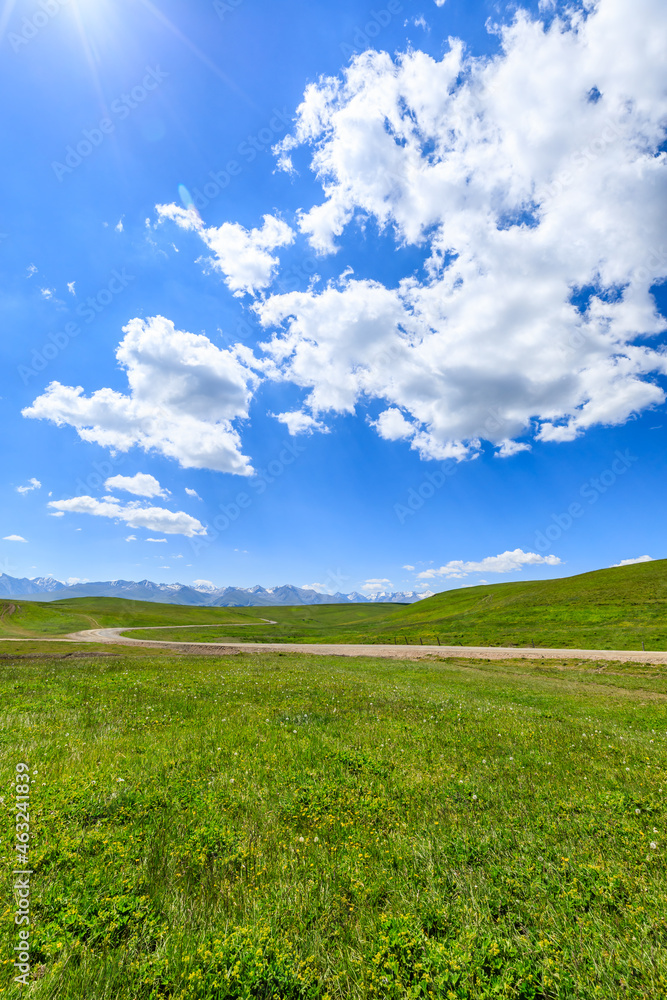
[
  {"x": 608, "y": 609},
  {"x": 278, "y": 826},
  {"x": 31, "y": 619}
]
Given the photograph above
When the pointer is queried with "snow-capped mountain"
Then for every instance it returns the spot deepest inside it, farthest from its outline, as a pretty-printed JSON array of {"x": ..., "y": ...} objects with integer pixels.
[
  {"x": 389, "y": 597},
  {"x": 11, "y": 586},
  {"x": 201, "y": 593}
]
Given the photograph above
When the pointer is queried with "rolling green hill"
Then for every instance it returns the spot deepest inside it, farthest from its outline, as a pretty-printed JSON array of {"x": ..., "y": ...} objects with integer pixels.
[
  {"x": 31, "y": 619},
  {"x": 607, "y": 609},
  {"x": 610, "y": 608}
]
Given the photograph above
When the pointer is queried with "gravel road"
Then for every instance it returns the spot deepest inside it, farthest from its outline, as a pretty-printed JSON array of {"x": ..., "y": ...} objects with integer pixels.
[{"x": 115, "y": 636}]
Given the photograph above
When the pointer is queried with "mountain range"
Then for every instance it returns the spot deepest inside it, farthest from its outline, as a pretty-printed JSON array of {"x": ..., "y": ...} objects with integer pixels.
[{"x": 203, "y": 595}]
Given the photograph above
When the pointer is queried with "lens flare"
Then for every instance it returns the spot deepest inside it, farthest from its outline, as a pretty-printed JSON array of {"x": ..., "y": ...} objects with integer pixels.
[{"x": 186, "y": 197}]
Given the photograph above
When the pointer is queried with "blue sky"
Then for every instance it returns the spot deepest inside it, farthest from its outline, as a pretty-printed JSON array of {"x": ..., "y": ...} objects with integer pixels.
[{"x": 385, "y": 283}]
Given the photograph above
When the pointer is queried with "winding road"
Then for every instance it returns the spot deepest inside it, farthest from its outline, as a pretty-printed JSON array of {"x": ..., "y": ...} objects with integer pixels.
[{"x": 116, "y": 637}]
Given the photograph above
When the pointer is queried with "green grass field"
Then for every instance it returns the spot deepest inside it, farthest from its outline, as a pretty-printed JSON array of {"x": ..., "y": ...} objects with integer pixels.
[
  {"x": 607, "y": 609},
  {"x": 278, "y": 826}
]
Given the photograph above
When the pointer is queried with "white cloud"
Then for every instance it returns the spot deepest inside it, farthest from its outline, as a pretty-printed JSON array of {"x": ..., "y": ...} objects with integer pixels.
[
  {"x": 409, "y": 568},
  {"x": 141, "y": 485},
  {"x": 131, "y": 538},
  {"x": 159, "y": 540},
  {"x": 14, "y": 538},
  {"x": 298, "y": 422},
  {"x": 203, "y": 585},
  {"x": 506, "y": 562},
  {"x": 192, "y": 493},
  {"x": 56, "y": 513},
  {"x": 47, "y": 293},
  {"x": 119, "y": 226},
  {"x": 133, "y": 514},
  {"x": 376, "y": 586},
  {"x": 319, "y": 588},
  {"x": 184, "y": 395},
  {"x": 393, "y": 426},
  {"x": 539, "y": 210},
  {"x": 32, "y": 269},
  {"x": 33, "y": 484},
  {"x": 633, "y": 562},
  {"x": 508, "y": 448},
  {"x": 70, "y": 287},
  {"x": 243, "y": 256},
  {"x": 72, "y": 580}
]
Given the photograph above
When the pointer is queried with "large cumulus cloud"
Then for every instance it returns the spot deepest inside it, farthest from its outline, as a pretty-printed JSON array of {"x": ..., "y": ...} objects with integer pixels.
[{"x": 536, "y": 185}]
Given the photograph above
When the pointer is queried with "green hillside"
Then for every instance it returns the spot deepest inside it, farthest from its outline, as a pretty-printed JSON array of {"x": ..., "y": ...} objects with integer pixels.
[
  {"x": 607, "y": 609},
  {"x": 31, "y": 619}
]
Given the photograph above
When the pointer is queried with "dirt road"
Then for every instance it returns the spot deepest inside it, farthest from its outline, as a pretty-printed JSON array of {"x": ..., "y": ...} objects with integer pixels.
[{"x": 115, "y": 636}]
